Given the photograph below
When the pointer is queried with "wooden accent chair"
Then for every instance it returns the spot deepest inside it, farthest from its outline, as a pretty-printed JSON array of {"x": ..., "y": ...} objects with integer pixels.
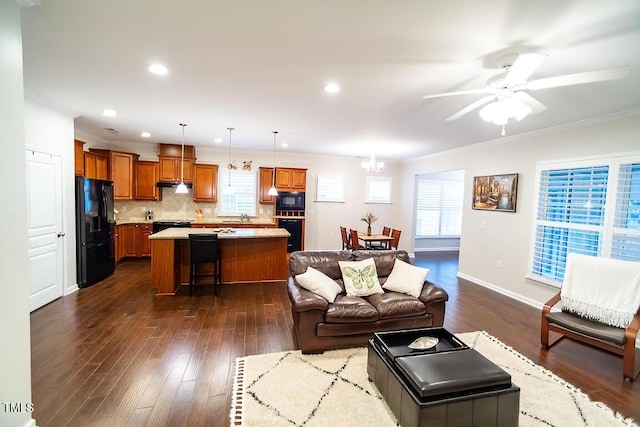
[
  {"x": 618, "y": 340},
  {"x": 355, "y": 242},
  {"x": 346, "y": 243},
  {"x": 396, "y": 239}
]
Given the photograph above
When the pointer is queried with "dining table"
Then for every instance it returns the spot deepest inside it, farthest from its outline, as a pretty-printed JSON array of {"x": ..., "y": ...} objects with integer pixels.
[{"x": 370, "y": 239}]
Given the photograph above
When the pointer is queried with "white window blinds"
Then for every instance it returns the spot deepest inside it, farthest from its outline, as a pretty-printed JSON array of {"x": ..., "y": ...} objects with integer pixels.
[
  {"x": 590, "y": 208},
  {"x": 243, "y": 199},
  {"x": 439, "y": 208},
  {"x": 626, "y": 232},
  {"x": 378, "y": 189}
]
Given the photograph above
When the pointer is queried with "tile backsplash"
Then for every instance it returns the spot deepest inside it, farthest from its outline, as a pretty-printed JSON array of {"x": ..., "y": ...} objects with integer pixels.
[{"x": 175, "y": 206}]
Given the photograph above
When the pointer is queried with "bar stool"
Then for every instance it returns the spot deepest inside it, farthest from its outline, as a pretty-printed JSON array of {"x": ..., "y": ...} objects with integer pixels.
[{"x": 204, "y": 249}]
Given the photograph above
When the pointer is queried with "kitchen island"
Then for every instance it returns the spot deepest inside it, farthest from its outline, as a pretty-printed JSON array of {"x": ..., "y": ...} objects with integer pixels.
[{"x": 247, "y": 254}]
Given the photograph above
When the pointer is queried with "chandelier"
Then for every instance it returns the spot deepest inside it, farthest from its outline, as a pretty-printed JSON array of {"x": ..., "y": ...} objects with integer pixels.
[{"x": 372, "y": 165}]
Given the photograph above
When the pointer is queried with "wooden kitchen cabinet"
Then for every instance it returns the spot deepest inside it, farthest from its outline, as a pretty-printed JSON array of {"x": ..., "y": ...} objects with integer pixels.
[
  {"x": 291, "y": 179},
  {"x": 266, "y": 179},
  {"x": 78, "y": 155},
  {"x": 146, "y": 179},
  {"x": 120, "y": 170},
  {"x": 171, "y": 166},
  {"x": 171, "y": 171},
  {"x": 96, "y": 166},
  {"x": 133, "y": 240},
  {"x": 144, "y": 244},
  {"x": 205, "y": 183}
]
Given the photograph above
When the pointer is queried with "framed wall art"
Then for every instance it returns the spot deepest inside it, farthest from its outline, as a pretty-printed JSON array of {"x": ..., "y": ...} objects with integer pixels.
[{"x": 495, "y": 192}]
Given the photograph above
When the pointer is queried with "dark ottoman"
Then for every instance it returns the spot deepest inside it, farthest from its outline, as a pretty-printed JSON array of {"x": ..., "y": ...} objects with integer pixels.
[{"x": 448, "y": 385}]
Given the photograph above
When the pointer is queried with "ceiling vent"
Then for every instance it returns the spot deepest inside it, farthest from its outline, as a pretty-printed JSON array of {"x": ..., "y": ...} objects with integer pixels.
[{"x": 112, "y": 131}]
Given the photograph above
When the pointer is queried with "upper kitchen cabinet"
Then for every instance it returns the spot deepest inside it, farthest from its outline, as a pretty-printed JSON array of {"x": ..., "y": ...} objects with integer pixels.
[
  {"x": 205, "y": 183},
  {"x": 78, "y": 151},
  {"x": 171, "y": 168},
  {"x": 96, "y": 166},
  {"x": 266, "y": 179},
  {"x": 121, "y": 171},
  {"x": 146, "y": 180},
  {"x": 291, "y": 179}
]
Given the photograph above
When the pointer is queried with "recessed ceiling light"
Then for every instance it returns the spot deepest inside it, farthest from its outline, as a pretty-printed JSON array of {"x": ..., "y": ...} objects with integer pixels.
[
  {"x": 158, "y": 69},
  {"x": 284, "y": 145},
  {"x": 109, "y": 113},
  {"x": 331, "y": 88},
  {"x": 217, "y": 140},
  {"x": 145, "y": 134}
]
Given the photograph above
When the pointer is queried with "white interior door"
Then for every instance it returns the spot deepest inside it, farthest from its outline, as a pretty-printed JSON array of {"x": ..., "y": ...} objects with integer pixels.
[{"x": 45, "y": 232}]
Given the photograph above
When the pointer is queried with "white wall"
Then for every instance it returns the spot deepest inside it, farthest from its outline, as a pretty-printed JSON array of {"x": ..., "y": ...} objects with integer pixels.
[
  {"x": 15, "y": 357},
  {"x": 322, "y": 219},
  {"x": 50, "y": 130},
  {"x": 507, "y": 236}
]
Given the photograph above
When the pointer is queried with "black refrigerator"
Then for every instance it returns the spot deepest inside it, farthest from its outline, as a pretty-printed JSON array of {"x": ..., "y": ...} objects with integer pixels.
[{"x": 95, "y": 228}]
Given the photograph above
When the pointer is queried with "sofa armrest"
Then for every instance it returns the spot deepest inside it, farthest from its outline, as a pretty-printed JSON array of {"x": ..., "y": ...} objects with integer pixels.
[
  {"x": 304, "y": 300},
  {"x": 431, "y": 293}
]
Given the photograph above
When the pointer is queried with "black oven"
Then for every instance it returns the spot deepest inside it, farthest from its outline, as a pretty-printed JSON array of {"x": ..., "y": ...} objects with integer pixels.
[{"x": 290, "y": 201}]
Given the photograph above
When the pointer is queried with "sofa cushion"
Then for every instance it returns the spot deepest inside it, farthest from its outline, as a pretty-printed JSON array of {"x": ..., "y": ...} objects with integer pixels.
[
  {"x": 391, "y": 305},
  {"x": 360, "y": 277},
  {"x": 346, "y": 309},
  {"x": 406, "y": 278},
  {"x": 384, "y": 259},
  {"x": 324, "y": 261},
  {"x": 319, "y": 283}
]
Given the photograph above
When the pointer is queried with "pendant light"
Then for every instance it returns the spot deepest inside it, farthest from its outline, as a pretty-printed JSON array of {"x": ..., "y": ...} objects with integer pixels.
[
  {"x": 181, "y": 188},
  {"x": 272, "y": 191},
  {"x": 229, "y": 189}
]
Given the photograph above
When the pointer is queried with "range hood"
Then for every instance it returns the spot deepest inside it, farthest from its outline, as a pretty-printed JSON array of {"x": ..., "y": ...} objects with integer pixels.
[{"x": 172, "y": 184}]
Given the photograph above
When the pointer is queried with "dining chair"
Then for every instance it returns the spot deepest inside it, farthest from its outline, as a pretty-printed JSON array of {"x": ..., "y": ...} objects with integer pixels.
[
  {"x": 386, "y": 231},
  {"x": 395, "y": 234},
  {"x": 204, "y": 249},
  {"x": 355, "y": 242},
  {"x": 346, "y": 244}
]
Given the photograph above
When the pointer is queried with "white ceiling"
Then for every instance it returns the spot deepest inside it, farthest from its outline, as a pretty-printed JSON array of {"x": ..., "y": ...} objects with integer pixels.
[{"x": 260, "y": 66}]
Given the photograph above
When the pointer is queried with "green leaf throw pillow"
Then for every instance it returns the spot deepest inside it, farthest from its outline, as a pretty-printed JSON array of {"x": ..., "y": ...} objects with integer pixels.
[{"x": 360, "y": 277}]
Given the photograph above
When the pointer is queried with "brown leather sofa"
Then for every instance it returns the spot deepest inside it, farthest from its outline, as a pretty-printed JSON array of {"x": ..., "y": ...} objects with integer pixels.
[{"x": 351, "y": 321}]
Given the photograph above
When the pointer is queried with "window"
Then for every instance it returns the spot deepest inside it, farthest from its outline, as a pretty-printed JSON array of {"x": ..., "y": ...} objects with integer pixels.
[
  {"x": 439, "y": 207},
  {"x": 330, "y": 188},
  {"x": 378, "y": 189},
  {"x": 590, "y": 208},
  {"x": 243, "y": 199}
]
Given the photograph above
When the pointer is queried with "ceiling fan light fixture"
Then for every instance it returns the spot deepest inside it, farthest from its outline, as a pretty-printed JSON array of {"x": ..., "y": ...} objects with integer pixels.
[{"x": 499, "y": 112}]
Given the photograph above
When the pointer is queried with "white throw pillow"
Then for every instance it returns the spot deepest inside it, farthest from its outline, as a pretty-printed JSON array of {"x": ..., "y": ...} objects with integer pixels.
[
  {"x": 319, "y": 283},
  {"x": 406, "y": 278},
  {"x": 360, "y": 277}
]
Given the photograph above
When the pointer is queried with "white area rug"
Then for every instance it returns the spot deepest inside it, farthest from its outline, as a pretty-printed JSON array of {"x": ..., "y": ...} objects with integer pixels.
[{"x": 332, "y": 389}]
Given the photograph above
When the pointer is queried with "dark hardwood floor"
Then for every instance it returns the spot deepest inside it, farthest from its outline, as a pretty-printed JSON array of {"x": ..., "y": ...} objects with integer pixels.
[{"x": 116, "y": 355}]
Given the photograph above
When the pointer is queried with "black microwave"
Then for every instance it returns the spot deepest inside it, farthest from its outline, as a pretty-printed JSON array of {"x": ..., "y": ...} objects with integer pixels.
[{"x": 290, "y": 201}]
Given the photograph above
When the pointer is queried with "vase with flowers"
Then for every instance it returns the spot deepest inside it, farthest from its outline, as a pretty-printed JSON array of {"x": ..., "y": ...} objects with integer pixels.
[{"x": 369, "y": 218}]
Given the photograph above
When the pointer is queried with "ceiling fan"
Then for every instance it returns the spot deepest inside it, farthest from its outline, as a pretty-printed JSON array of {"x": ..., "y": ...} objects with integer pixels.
[{"x": 507, "y": 89}]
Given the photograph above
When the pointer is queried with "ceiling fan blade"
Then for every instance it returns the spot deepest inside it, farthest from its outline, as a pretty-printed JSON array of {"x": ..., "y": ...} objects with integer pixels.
[
  {"x": 536, "y": 106},
  {"x": 471, "y": 107},
  {"x": 523, "y": 67},
  {"x": 462, "y": 92},
  {"x": 580, "y": 78}
]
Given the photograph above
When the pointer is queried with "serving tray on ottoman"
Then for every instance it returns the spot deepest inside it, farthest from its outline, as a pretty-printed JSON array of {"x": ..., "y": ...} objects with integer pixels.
[{"x": 447, "y": 387}]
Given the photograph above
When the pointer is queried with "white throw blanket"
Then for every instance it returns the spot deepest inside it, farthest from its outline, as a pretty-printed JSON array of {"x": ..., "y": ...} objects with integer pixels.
[{"x": 603, "y": 289}]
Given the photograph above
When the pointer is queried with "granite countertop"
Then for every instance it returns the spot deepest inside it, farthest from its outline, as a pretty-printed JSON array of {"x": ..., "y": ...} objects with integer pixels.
[
  {"x": 216, "y": 221},
  {"x": 234, "y": 233}
]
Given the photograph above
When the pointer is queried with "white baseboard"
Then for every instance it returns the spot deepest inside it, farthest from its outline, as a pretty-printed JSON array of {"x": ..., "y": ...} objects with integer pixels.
[
  {"x": 443, "y": 249},
  {"x": 71, "y": 290},
  {"x": 503, "y": 291}
]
